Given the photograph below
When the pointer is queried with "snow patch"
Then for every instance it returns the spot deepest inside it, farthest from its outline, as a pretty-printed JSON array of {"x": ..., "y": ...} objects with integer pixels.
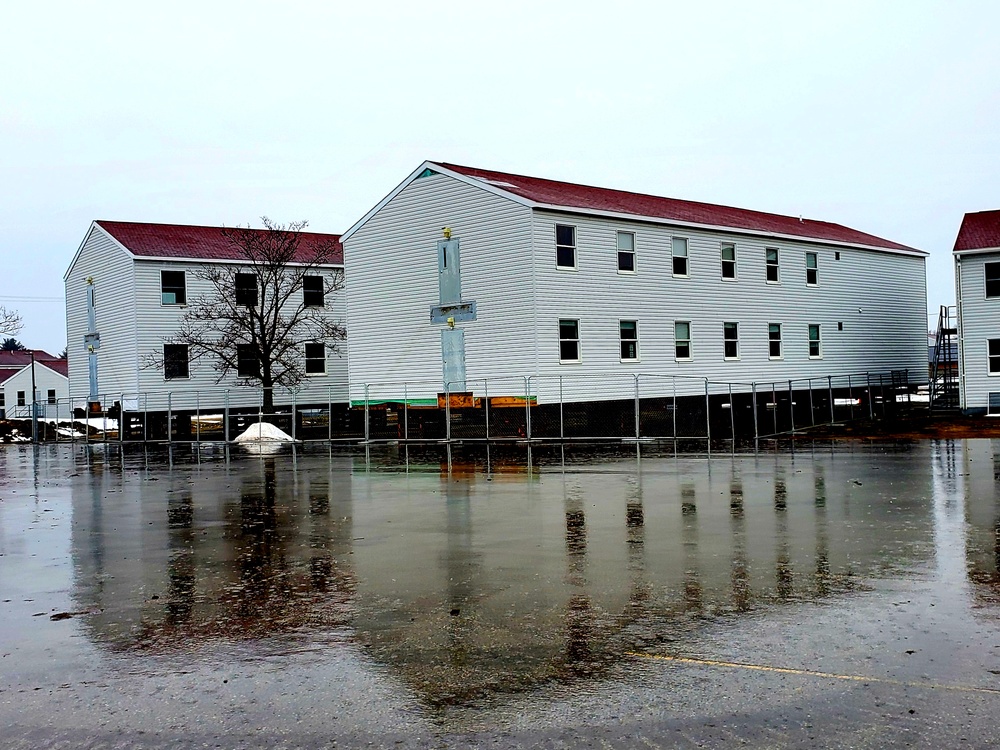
[{"x": 262, "y": 432}]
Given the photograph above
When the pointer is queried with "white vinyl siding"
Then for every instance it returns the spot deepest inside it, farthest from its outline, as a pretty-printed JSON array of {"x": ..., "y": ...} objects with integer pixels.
[
  {"x": 979, "y": 324},
  {"x": 391, "y": 337},
  {"x": 509, "y": 269},
  {"x": 111, "y": 269}
]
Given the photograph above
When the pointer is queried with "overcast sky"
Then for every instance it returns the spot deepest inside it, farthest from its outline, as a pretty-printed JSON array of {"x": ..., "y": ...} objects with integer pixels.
[{"x": 879, "y": 115}]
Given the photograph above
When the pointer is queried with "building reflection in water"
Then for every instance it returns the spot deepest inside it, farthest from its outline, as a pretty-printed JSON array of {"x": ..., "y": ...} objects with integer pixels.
[{"x": 472, "y": 585}]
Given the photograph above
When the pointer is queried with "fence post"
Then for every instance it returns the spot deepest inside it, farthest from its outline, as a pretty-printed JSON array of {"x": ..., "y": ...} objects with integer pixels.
[
  {"x": 791, "y": 404},
  {"x": 121, "y": 419},
  {"x": 527, "y": 407},
  {"x": 774, "y": 408},
  {"x": 753, "y": 395},
  {"x": 868, "y": 379},
  {"x": 562, "y": 431},
  {"x": 673, "y": 410},
  {"x": 486, "y": 395},
  {"x": 406, "y": 412},
  {"x": 708, "y": 421},
  {"x": 732, "y": 417},
  {"x": 225, "y": 416},
  {"x": 447, "y": 411},
  {"x": 295, "y": 408},
  {"x": 850, "y": 396},
  {"x": 367, "y": 432},
  {"x": 812, "y": 408},
  {"x": 829, "y": 385},
  {"x": 197, "y": 417},
  {"x": 636, "y": 378},
  {"x": 329, "y": 411}
]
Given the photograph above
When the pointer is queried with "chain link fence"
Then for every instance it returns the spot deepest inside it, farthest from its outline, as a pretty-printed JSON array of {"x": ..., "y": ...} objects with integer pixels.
[{"x": 536, "y": 408}]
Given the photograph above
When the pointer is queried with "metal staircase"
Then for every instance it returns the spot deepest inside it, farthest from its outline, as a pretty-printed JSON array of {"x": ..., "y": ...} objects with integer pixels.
[{"x": 944, "y": 363}]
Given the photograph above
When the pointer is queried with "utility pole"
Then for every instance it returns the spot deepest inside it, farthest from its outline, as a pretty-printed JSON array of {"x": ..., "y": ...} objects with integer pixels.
[{"x": 34, "y": 401}]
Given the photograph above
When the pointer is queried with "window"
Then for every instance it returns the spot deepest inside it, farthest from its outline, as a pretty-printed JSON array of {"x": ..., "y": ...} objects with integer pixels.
[
  {"x": 682, "y": 339},
  {"x": 52, "y": 395},
  {"x": 628, "y": 335},
  {"x": 172, "y": 289},
  {"x": 626, "y": 252},
  {"x": 774, "y": 340},
  {"x": 247, "y": 361},
  {"x": 246, "y": 289},
  {"x": 679, "y": 249},
  {"x": 812, "y": 269},
  {"x": 565, "y": 246},
  {"x": 20, "y": 398},
  {"x": 175, "y": 361},
  {"x": 992, "y": 272},
  {"x": 992, "y": 352},
  {"x": 771, "y": 262},
  {"x": 728, "y": 260},
  {"x": 3, "y": 399},
  {"x": 312, "y": 291},
  {"x": 815, "y": 350},
  {"x": 993, "y": 404},
  {"x": 315, "y": 359},
  {"x": 731, "y": 340},
  {"x": 569, "y": 340}
]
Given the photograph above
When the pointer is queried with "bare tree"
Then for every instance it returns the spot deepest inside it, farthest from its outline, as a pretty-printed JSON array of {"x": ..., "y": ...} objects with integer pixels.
[
  {"x": 263, "y": 310},
  {"x": 10, "y": 322}
]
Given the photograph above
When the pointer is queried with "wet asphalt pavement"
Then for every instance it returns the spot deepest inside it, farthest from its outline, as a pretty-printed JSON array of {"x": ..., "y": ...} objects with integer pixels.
[{"x": 839, "y": 596}]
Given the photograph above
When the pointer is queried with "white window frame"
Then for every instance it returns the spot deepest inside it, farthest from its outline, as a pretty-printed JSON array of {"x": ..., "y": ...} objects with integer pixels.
[
  {"x": 620, "y": 252},
  {"x": 768, "y": 265},
  {"x": 674, "y": 257},
  {"x": 574, "y": 247},
  {"x": 677, "y": 342},
  {"x": 183, "y": 276},
  {"x": 814, "y": 269},
  {"x": 770, "y": 340},
  {"x": 993, "y": 359},
  {"x": 576, "y": 340},
  {"x": 725, "y": 340},
  {"x": 818, "y": 341},
  {"x": 307, "y": 359},
  {"x": 322, "y": 290},
  {"x": 722, "y": 259},
  {"x": 187, "y": 363},
  {"x": 622, "y": 341},
  {"x": 986, "y": 294}
]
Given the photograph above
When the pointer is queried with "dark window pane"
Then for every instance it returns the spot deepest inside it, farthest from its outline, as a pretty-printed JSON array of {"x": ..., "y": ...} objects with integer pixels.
[
  {"x": 680, "y": 266},
  {"x": 772, "y": 273},
  {"x": 731, "y": 349},
  {"x": 729, "y": 269},
  {"x": 568, "y": 329},
  {"x": 565, "y": 235},
  {"x": 247, "y": 361},
  {"x": 626, "y": 261},
  {"x": 812, "y": 276},
  {"x": 315, "y": 359},
  {"x": 175, "y": 361},
  {"x": 566, "y": 257},
  {"x": 312, "y": 291},
  {"x": 172, "y": 291},
  {"x": 683, "y": 350},
  {"x": 52, "y": 396},
  {"x": 246, "y": 289},
  {"x": 992, "y": 279},
  {"x": 569, "y": 350}
]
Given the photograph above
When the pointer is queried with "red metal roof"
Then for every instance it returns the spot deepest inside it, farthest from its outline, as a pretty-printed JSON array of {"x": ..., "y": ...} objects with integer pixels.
[
  {"x": 13, "y": 362},
  {"x": 202, "y": 243},
  {"x": 23, "y": 357},
  {"x": 572, "y": 196},
  {"x": 979, "y": 231}
]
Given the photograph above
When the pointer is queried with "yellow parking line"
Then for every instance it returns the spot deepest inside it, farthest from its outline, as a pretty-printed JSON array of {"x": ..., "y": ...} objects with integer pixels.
[{"x": 810, "y": 673}]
